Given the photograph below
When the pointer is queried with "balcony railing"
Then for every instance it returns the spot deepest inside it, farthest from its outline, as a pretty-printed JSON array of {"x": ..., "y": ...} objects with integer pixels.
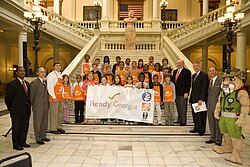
[{"x": 139, "y": 24}]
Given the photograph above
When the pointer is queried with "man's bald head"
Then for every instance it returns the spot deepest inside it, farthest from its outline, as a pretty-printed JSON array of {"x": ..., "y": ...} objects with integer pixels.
[
  {"x": 180, "y": 63},
  {"x": 41, "y": 72}
]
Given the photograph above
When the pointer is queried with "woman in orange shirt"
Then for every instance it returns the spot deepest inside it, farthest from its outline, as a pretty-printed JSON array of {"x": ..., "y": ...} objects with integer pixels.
[
  {"x": 67, "y": 97},
  {"x": 86, "y": 65},
  {"x": 140, "y": 65}
]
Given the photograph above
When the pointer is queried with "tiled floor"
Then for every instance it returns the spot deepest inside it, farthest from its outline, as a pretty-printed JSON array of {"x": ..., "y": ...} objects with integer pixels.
[{"x": 73, "y": 153}]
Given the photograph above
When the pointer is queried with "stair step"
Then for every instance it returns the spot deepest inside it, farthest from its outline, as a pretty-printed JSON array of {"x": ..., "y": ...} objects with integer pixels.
[{"x": 128, "y": 133}]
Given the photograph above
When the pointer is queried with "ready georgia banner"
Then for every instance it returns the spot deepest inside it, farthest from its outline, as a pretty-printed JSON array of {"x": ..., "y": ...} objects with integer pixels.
[{"x": 120, "y": 103}]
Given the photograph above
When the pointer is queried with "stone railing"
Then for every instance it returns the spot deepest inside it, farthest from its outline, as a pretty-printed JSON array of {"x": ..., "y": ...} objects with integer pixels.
[
  {"x": 197, "y": 30},
  {"x": 74, "y": 68},
  {"x": 200, "y": 22},
  {"x": 170, "y": 49},
  {"x": 138, "y": 24},
  {"x": 88, "y": 24},
  {"x": 65, "y": 29},
  {"x": 138, "y": 46},
  {"x": 67, "y": 23},
  {"x": 174, "y": 24}
]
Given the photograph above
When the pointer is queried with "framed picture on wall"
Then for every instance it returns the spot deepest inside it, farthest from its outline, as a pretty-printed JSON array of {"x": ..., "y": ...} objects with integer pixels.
[
  {"x": 89, "y": 13},
  {"x": 171, "y": 14}
]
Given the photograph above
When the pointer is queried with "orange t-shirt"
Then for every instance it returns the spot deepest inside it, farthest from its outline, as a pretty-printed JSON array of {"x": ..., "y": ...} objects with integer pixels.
[
  {"x": 86, "y": 68},
  {"x": 151, "y": 68},
  {"x": 66, "y": 93},
  {"x": 78, "y": 93},
  {"x": 168, "y": 95},
  {"x": 96, "y": 78},
  {"x": 123, "y": 75},
  {"x": 157, "y": 95},
  {"x": 134, "y": 75},
  {"x": 104, "y": 71},
  {"x": 58, "y": 90}
]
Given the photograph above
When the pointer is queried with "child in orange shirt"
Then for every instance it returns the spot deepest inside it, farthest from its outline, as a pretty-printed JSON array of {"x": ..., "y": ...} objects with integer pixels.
[
  {"x": 106, "y": 63},
  {"x": 78, "y": 100},
  {"x": 109, "y": 76},
  {"x": 169, "y": 99},
  {"x": 97, "y": 74},
  {"x": 86, "y": 65},
  {"x": 134, "y": 72},
  {"x": 67, "y": 97},
  {"x": 151, "y": 66},
  {"x": 158, "y": 96},
  {"x": 158, "y": 72},
  {"x": 140, "y": 65},
  {"x": 122, "y": 73},
  {"x": 127, "y": 65}
]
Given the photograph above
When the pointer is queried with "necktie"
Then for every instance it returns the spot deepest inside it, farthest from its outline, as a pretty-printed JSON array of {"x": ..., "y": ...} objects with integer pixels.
[
  {"x": 142, "y": 86},
  {"x": 177, "y": 75},
  {"x": 195, "y": 76},
  {"x": 211, "y": 83},
  {"x": 25, "y": 88}
]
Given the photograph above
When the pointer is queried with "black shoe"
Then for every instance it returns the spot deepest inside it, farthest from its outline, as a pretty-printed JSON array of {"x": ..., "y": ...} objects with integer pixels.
[
  {"x": 209, "y": 141},
  {"x": 40, "y": 142},
  {"x": 61, "y": 130},
  {"x": 26, "y": 145},
  {"x": 177, "y": 122},
  {"x": 46, "y": 139},
  {"x": 18, "y": 148},
  {"x": 193, "y": 131},
  {"x": 201, "y": 133},
  {"x": 55, "y": 132},
  {"x": 218, "y": 144},
  {"x": 182, "y": 124}
]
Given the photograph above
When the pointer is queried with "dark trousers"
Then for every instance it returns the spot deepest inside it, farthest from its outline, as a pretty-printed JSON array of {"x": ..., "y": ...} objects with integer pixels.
[
  {"x": 20, "y": 126},
  {"x": 79, "y": 109},
  {"x": 181, "y": 105},
  {"x": 199, "y": 120}
]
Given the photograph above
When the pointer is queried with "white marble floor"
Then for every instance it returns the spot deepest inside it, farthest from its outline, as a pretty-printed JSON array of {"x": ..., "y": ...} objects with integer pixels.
[{"x": 89, "y": 153}]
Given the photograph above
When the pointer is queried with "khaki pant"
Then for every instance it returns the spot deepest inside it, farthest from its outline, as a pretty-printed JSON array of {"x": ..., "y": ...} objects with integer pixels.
[{"x": 56, "y": 115}]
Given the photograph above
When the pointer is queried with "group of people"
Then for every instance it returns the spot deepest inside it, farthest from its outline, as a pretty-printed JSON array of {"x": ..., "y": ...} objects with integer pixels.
[
  {"x": 200, "y": 88},
  {"x": 51, "y": 98}
]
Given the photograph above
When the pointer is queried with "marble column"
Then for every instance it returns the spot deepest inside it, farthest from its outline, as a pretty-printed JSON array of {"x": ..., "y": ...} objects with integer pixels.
[
  {"x": 205, "y": 7},
  {"x": 73, "y": 9},
  {"x": 56, "y": 52},
  {"x": 105, "y": 9},
  {"x": 22, "y": 37},
  {"x": 241, "y": 50},
  {"x": 155, "y": 9},
  {"x": 204, "y": 56},
  {"x": 105, "y": 16},
  {"x": 156, "y": 22},
  {"x": 56, "y": 6}
]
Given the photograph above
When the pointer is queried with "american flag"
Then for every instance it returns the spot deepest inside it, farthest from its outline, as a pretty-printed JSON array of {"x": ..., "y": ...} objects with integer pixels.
[{"x": 125, "y": 8}]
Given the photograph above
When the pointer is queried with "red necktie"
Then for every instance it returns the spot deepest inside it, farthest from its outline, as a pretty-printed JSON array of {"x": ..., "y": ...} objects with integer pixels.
[{"x": 25, "y": 88}]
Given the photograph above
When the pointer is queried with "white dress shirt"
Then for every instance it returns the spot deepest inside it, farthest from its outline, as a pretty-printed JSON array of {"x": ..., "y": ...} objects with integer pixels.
[{"x": 52, "y": 79}]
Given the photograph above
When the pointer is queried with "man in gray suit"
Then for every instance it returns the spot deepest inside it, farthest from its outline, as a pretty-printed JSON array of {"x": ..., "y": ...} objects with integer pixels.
[
  {"x": 40, "y": 106},
  {"x": 214, "y": 90}
]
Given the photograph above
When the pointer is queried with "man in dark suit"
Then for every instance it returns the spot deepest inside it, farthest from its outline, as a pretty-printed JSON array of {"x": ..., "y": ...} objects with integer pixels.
[
  {"x": 40, "y": 106},
  {"x": 198, "y": 95},
  {"x": 17, "y": 100},
  {"x": 214, "y": 90},
  {"x": 182, "y": 80}
]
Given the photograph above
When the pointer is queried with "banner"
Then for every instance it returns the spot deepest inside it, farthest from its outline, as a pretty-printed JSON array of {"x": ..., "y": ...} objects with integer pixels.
[{"x": 120, "y": 103}]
